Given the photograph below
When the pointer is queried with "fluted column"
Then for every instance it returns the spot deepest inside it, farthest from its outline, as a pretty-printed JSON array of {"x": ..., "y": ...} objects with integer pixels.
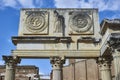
[
  {"x": 114, "y": 44},
  {"x": 116, "y": 58},
  {"x": 10, "y": 63},
  {"x": 105, "y": 68},
  {"x": 57, "y": 64}
]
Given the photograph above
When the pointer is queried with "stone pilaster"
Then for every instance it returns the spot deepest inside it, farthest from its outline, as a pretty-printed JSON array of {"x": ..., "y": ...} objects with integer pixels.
[
  {"x": 105, "y": 68},
  {"x": 10, "y": 63},
  {"x": 114, "y": 44},
  {"x": 116, "y": 58},
  {"x": 57, "y": 64}
]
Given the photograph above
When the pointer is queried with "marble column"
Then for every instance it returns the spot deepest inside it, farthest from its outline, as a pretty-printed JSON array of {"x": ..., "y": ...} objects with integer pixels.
[
  {"x": 116, "y": 59},
  {"x": 114, "y": 44},
  {"x": 105, "y": 68},
  {"x": 57, "y": 64},
  {"x": 10, "y": 63}
]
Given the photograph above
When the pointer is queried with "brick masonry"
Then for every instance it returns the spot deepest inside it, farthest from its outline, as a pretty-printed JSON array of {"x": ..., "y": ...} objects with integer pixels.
[{"x": 22, "y": 72}]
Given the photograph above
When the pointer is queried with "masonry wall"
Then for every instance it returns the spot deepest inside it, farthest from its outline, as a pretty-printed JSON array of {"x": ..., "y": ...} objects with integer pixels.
[
  {"x": 83, "y": 70},
  {"x": 22, "y": 72},
  {"x": 2, "y": 72}
]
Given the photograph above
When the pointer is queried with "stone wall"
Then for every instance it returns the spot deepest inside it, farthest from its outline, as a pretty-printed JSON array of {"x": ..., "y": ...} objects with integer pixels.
[
  {"x": 22, "y": 72},
  {"x": 83, "y": 70}
]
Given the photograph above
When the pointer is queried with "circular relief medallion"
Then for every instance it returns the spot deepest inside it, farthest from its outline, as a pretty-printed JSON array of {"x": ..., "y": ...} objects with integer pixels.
[
  {"x": 80, "y": 22},
  {"x": 35, "y": 22}
]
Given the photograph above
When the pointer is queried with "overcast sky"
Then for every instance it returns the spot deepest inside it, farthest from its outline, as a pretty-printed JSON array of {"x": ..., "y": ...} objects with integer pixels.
[{"x": 9, "y": 20}]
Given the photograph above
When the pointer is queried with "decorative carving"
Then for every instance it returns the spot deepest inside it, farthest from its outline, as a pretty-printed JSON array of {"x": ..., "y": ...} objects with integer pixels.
[
  {"x": 114, "y": 41},
  {"x": 11, "y": 61},
  {"x": 80, "y": 22},
  {"x": 105, "y": 62},
  {"x": 37, "y": 21},
  {"x": 59, "y": 22},
  {"x": 57, "y": 62}
]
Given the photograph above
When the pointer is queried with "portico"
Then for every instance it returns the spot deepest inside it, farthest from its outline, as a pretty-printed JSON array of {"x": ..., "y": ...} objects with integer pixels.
[{"x": 60, "y": 34}]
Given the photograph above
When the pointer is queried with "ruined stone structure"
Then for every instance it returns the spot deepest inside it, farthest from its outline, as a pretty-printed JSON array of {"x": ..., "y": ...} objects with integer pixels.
[
  {"x": 83, "y": 69},
  {"x": 61, "y": 34},
  {"x": 24, "y": 72},
  {"x": 86, "y": 69},
  {"x": 110, "y": 31}
]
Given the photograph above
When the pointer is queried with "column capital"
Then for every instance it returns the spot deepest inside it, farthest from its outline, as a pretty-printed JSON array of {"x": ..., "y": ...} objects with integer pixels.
[
  {"x": 57, "y": 62},
  {"x": 104, "y": 62},
  {"x": 10, "y": 62},
  {"x": 11, "y": 59}
]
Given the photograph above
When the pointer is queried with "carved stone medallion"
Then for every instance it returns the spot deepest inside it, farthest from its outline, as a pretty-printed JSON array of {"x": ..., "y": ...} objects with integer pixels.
[
  {"x": 37, "y": 22},
  {"x": 80, "y": 22}
]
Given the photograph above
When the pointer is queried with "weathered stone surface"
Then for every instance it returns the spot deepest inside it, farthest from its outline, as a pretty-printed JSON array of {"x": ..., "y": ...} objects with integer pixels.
[
  {"x": 81, "y": 70},
  {"x": 11, "y": 63},
  {"x": 58, "y": 29},
  {"x": 105, "y": 68},
  {"x": 22, "y": 72},
  {"x": 110, "y": 30},
  {"x": 57, "y": 64},
  {"x": 58, "y": 21},
  {"x": 69, "y": 33},
  {"x": 54, "y": 53}
]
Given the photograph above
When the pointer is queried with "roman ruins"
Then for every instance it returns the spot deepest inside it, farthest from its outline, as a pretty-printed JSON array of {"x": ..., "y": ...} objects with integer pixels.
[{"x": 60, "y": 34}]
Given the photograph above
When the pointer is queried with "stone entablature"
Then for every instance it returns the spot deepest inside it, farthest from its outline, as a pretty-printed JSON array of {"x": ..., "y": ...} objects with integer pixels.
[
  {"x": 53, "y": 53},
  {"x": 58, "y": 29},
  {"x": 110, "y": 25},
  {"x": 110, "y": 30}
]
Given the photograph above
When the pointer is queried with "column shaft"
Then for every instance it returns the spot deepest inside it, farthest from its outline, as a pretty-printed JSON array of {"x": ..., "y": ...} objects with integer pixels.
[
  {"x": 114, "y": 45},
  {"x": 57, "y": 64},
  {"x": 57, "y": 74},
  {"x": 11, "y": 63},
  {"x": 116, "y": 59},
  {"x": 105, "y": 73},
  {"x": 105, "y": 68},
  {"x": 10, "y": 72}
]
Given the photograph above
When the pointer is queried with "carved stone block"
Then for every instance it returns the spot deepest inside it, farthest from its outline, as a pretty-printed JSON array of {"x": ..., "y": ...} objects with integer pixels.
[
  {"x": 81, "y": 22},
  {"x": 34, "y": 22},
  {"x": 59, "y": 22},
  {"x": 58, "y": 29}
]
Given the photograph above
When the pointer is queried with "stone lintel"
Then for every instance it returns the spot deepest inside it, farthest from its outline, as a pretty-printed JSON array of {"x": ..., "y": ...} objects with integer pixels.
[
  {"x": 56, "y": 53},
  {"x": 40, "y": 39}
]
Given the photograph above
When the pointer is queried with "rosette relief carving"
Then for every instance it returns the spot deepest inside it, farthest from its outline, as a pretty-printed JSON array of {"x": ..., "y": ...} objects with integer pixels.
[
  {"x": 80, "y": 22},
  {"x": 36, "y": 22}
]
